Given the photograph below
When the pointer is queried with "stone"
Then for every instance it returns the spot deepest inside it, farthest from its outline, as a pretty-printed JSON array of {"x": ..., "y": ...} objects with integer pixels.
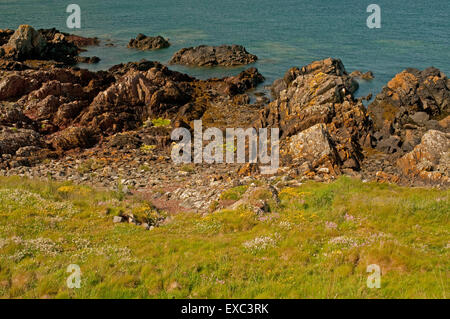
[
  {"x": 118, "y": 219},
  {"x": 312, "y": 145}
]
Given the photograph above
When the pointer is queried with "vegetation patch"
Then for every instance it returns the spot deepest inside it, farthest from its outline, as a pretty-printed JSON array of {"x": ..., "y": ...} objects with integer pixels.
[{"x": 317, "y": 243}]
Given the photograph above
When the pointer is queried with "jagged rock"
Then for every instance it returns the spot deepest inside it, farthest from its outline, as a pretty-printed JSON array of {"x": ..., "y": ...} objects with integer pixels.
[
  {"x": 430, "y": 159},
  {"x": 12, "y": 86},
  {"x": 224, "y": 55},
  {"x": 50, "y": 44},
  {"x": 316, "y": 97},
  {"x": 413, "y": 99},
  {"x": 77, "y": 40},
  {"x": 143, "y": 42},
  {"x": 327, "y": 66},
  {"x": 25, "y": 43},
  {"x": 133, "y": 99}
]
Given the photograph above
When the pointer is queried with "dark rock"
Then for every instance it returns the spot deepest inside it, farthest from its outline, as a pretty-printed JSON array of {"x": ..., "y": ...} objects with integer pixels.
[
  {"x": 224, "y": 55},
  {"x": 412, "y": 96},
  {"x": 365, "y": 76},
  {"x": 77, "y": 40},
  {"x": 143, "y": 42},
  {"x": 88, "y": 60},
  {"x": 5, "y": 35},
  {"x": 12, "y": 139}
]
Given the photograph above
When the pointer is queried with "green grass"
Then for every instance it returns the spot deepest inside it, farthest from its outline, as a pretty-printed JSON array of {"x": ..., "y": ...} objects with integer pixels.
[
  {"x": 316, "y": 244},
  {"x": 160, "y": 122}
]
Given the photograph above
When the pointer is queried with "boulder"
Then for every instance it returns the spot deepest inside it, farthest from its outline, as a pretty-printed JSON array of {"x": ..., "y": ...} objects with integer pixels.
[
  {"x": 258, "y": 199},
  {"x": 25, "y": 43},
  {"x": 314, "y": 146},
  {"x": 430, "y": 159},
  {"x": 143, "y": 42},
  {"x": 224, "y": 55},
  {"x": 74, "y": 137},
  {"x": 12, "y": 139}
]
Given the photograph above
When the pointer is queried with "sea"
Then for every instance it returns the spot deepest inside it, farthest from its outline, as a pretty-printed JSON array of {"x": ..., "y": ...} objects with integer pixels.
[{"x": 282, "y": 33}]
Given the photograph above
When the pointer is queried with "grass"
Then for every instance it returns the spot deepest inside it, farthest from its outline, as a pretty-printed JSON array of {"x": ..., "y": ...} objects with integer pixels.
[
  {"x": 160, "y": 122},
  {"x": 317, "y": 243}
]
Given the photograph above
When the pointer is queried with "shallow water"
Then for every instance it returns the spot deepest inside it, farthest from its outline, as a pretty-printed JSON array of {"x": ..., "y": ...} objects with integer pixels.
[{"x": 282, "y": 33}]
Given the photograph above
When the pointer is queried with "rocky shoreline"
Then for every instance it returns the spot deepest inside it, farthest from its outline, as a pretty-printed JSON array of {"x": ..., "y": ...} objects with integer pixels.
[{"x": 112, "y": 128}]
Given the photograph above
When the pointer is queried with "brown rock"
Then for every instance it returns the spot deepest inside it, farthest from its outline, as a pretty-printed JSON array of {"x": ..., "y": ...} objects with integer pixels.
[{"x": 74, "y": 137}]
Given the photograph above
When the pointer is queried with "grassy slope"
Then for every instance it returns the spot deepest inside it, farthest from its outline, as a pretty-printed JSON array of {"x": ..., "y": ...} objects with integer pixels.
[{"x": 318, "y": 243}]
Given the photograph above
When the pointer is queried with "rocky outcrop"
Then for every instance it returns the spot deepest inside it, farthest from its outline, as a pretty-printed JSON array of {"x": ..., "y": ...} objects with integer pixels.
[
  {"x": 328, "y": 66},
  {"x": 143, "y": 42},
  {"x": 224, "y": 55},
  {"x": 70, "y": 108},
  {"x": 430, "y": 159},
  {"x": 77, "y": 40},
  {"x": 412, "y": 103},
  {"x": 321, "y": 93},
  {"x": 28, "y": 44},
  {"x": 25, "y": 43}
]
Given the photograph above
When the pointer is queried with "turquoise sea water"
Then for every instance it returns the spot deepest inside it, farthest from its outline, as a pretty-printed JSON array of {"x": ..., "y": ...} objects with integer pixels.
[{"x": 282, "y": 33}]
